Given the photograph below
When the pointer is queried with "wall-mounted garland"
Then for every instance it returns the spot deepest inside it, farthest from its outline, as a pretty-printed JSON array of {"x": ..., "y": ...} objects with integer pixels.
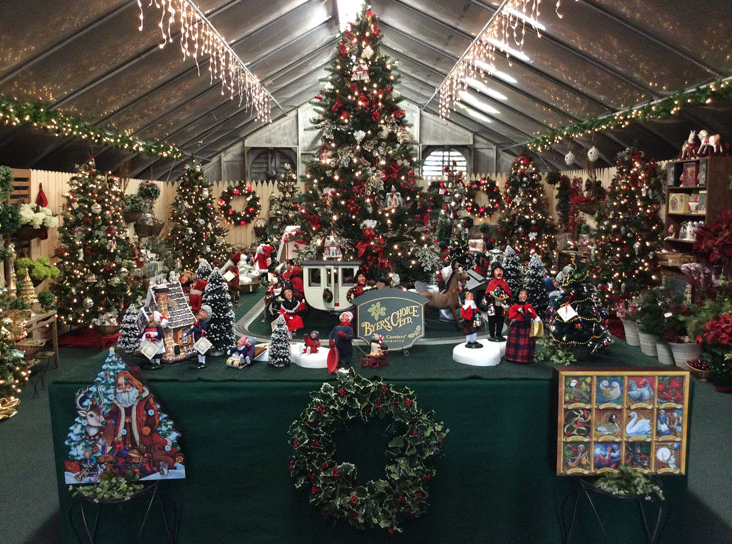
[
  {"x": 25, "y": 113},
  {"x": 656, "y": 109},
  {"x": 251, "y": 208}
]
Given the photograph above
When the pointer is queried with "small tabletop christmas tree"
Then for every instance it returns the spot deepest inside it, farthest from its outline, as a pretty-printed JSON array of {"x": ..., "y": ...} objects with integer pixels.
[
  {"x": 195, "y": 227},
  {"x": 526, "y": 224},
  {"x": 129, "y": 333},
  {"x": 513, "y": 272},
  {"x": 203, "y": 272},
  {"x": 220, "y": 329},
  {"x": 577, "y": 317},
  {"x": 279, "y": 344},
  {"x": 538, "y": 296}
]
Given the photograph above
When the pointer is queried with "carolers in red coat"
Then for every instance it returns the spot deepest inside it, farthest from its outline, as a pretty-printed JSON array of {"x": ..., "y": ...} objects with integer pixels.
[
  {"x": 293, "y": 277},
  {"x": 520, "y": 345},
  {"x": 471, "y": 322},
  {"x": 497, "y": 295},
  {"x": 291, "y": 308}
]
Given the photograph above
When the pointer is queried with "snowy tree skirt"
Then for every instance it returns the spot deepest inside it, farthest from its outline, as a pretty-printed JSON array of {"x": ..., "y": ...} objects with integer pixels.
[
  {"x": 489, "y": 355},
  {"x": 309, "y": 360}
]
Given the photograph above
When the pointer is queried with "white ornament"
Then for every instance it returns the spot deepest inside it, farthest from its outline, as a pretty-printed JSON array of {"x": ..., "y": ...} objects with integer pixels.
[
  {"x": 359, "y": 135},
  {"x": 569, "y": 158},
  {"x": 593, "y": 154},
  {"x": 74, "y": 205},
  {"x": 367, "y": 52},
  {"x": 96, "y": 208},
  {"x": 88, "y": 302},
  {"x": 205, "y": 193},
  {"x": 532, "y": 235}
]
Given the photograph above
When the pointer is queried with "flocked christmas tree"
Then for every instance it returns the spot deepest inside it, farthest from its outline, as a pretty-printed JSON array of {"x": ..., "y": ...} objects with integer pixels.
[
  {"x": 630, "y": 230},
  {"x": 129, "y": 333},
  {"x": 587, "y": 325},
  {"x": 13, "y": 374},
  {"x": 204, "y": 270},
  {"x": 95, "y": 254},
  {"x": 513, "y": 271},
  {"x": 525, "y": 223},
  {"x": 196, "y": 230},
  {"x": 220, "y": 328},
  {"x": 279, "y": 344},
  {"x": 534, "y": 281},
  {"x": 365, "y": 169},
  {"x": 282, "y": 208}
]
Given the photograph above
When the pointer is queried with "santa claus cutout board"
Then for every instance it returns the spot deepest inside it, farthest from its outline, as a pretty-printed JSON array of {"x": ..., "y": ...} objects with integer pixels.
[{"x": 120, "y": 428}]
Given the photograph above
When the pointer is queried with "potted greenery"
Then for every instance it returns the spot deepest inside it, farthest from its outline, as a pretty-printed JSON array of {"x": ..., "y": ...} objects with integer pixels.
[
  {"x": 717, "y": 345},
  {"x": 629, "y": 482},
  {"x": 651, "y": 321},
  {"x": 673, "y": 332},
  {"x": 134, "y": 208},
  {"x": 628, "y": 313},
  {"x": 34, "y": 220}
]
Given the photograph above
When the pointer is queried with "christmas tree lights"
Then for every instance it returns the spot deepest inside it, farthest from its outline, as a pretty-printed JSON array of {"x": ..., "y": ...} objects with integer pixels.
[{"x": 13, "y": 374}]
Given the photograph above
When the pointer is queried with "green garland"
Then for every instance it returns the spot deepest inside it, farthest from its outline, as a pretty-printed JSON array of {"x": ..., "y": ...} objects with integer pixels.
[
  {"x": 240, "y": 190},
  {"x": 656, "y": 109},
  {"x": 332, "y": 486},
  {"x": 38, "y": 115}
]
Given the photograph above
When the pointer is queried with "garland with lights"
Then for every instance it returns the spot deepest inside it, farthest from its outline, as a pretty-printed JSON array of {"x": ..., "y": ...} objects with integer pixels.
[
  {"x": 415, "y": 439},
  {"x": 495, "y": 202},
  {"x": 656, "y": 109},
  {"x": 39, "y": 115},
  {"x": 251, "y": 208},
  {"x": 630, "y": 229},
  {"x": 96, "y": 257}
]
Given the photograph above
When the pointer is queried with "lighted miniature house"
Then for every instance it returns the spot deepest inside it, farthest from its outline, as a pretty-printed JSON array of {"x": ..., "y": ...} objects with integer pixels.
[
  {"x": 169, "y": 300},
  {"x": 331, "y": 250}
]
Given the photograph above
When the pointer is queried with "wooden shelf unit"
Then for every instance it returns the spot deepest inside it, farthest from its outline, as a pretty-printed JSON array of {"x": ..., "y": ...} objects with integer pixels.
[{"x": 719, "y": 198}]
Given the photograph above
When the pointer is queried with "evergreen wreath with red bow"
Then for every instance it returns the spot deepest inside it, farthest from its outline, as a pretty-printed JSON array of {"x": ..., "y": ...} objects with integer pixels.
[
  {"x": 251, "y": 209},
  {"x": 490, "y": 188},
  {"x": 333, "y": 487}
]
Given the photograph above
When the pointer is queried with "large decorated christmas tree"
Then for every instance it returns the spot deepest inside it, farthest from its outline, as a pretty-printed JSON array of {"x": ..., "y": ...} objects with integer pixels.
[
  {"x": 525, "y": 223},
  {"x": 196, "y": 230},
  {"x": 630, "y": 230},
  {"x": 577, "y": 318},
  {"x": 361, "y": 188},
  {"x": 95, "y": 254},
  {"x": 282, "y": 207}
]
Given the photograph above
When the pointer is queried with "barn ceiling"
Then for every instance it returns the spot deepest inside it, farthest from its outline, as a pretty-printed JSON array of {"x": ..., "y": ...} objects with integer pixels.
[{"x": 88, "y": 58}]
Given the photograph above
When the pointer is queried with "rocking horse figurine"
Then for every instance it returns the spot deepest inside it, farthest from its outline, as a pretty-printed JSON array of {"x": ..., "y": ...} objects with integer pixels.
[
  {"x": 450, "y": 299},
  {"x": 689, "y": 148}
]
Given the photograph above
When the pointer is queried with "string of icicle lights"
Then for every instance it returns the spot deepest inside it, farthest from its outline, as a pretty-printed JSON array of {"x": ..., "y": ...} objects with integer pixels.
[
  {"x": 504, "y": 32},
  {"x": 199, "y": 37}
]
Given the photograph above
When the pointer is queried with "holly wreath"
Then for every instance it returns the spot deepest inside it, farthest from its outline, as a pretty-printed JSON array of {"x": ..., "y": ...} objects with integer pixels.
[{"x": 251, "y": 210}]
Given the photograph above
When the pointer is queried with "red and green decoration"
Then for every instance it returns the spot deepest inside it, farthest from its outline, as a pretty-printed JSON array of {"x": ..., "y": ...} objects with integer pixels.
[
  {"x": 525, "y": 224},
  {"x": 365, "y": 168},
  {"x": 250, "y": 209},
  {"x": 332, "y": 486},
  {"x": 495, "y": 202},
  {"x": 630, "y": 229}
]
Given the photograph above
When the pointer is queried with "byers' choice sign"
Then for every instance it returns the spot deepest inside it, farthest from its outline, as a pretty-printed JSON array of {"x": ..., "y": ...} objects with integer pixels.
[{"x": 395, "y": 314}]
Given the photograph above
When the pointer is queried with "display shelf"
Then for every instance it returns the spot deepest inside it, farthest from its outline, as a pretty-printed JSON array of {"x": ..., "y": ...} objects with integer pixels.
[{"x": 688, "y": 214}]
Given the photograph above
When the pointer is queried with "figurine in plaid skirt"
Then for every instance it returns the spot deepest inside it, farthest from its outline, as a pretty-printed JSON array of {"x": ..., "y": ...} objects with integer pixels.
[{"x": 520, "y": 344}]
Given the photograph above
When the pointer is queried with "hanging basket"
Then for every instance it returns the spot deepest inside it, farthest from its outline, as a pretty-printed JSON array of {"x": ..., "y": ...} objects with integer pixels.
[
  {"x": 31, "y": 347},
  {"x": 26, "y": 232},
  {"x": 107, "y": 330},
  {"x": 142, "y": 230},
  {"x": 157, "y": 227},
  {"x": 131, "y": 216},
  {"x": 589, "y": 207},
  {"x": 260, "y": 227}
]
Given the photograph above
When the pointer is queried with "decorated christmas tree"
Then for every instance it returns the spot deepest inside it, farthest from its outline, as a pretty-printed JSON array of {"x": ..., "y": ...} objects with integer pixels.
[
  {"x": 630, "y": 229},
  {"x": 513, "y": 271},
  {"x": 450, "y": 194},
  {"x": 196, "y": 230},
  {"x": 220, "y": 329},
  {"x": 538, "y": 296},
  {"x": 282, "y": 208},
  {"x": 495, "y": 202},
  {"x": 129, "y": 333},
  {"x": 362, "y": 187},
  {"x": 279, "y": 344},
  {"x": 577, "y": 318},
  {"x": 13, "y": 374},
  {"x": 95, "y": 254},
  {"x": 525, "y": 224},
  {"x": 204, "y": 270}
]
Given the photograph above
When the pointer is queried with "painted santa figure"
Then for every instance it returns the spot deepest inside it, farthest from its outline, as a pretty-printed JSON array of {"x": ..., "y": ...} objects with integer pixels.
[
  {"x": 290, "y": 308},
  {"x": 262, "y": 258},
  {"x": 195, "y": 294}
]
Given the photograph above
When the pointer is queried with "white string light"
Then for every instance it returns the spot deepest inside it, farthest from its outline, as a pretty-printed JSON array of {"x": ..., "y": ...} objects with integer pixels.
[{"x": 199, "y": 37}]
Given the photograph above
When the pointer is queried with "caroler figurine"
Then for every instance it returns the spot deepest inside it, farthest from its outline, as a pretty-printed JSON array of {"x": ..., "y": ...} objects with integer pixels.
[
  {"x": 199, "y": 331},
  {"x": 312, "y": 342},
  {"x": 497, "y": 295},
  {"x": 243, "y": 354},
  {"x": 153, "y": 336},
  {"x": 472, "y": 321},
  {"x": 291, "y": 308},
  {"x": 341, "y": 343},
  {"x": 520, "y": 345}
]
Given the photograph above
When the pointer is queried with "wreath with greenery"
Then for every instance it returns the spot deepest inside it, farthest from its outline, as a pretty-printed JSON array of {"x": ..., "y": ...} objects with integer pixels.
[
  {"x": 327, "y": 295},
  {"x": 333, "y": 487},
  {"x": 351, "y": 294},
  {"x": 251, "y": 209},
  {"x": 495, "y": 201}
]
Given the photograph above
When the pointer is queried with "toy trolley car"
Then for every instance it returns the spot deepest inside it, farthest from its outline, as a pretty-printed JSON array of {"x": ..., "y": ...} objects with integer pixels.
[{"x": 326, "y": 284}]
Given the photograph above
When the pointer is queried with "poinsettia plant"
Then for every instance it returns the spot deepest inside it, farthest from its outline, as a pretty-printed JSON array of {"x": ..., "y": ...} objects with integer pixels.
[
  {"x": 717, "y": 342},
  {"x": 714, "y": 242}
]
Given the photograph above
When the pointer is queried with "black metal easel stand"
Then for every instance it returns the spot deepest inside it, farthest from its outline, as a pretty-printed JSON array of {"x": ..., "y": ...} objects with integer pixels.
[
  {"x": 91, "y": 532},
  {"x": 587, "y": 489}
]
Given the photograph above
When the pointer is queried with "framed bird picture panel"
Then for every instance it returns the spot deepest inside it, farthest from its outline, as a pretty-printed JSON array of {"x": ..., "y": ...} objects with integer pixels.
[{"x": 612, "y": 416}]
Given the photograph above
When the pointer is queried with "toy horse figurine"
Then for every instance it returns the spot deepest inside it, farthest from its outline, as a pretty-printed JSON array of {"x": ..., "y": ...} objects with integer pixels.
[
  {"x": 703, "y": 142},
  {"x": 687, "y": 150},
  {"x": 450, "y": 299},
  {"x": 715, "y": 142}
]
